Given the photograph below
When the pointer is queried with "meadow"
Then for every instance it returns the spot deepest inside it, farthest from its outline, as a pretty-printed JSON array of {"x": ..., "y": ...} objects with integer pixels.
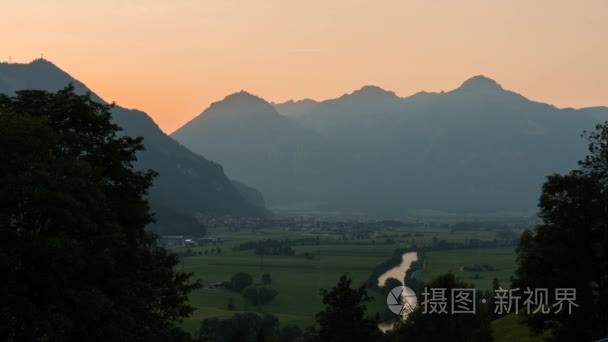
[
  {"x": 298, "y": 278},
  {"x": 501, "y": 258}
]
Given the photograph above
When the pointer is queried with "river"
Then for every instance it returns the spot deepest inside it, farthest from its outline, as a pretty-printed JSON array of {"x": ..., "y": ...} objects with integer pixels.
[{"x": 397, "y": 272}]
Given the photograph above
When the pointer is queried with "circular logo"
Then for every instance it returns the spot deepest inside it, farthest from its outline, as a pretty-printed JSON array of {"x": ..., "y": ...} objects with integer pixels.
[{"x": 401, "y": 300}]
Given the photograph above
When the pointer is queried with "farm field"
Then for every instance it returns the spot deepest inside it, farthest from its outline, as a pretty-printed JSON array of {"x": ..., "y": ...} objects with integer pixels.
[
  {"x": 502, "y": 259},
  {"x": 298, "y": 278}
]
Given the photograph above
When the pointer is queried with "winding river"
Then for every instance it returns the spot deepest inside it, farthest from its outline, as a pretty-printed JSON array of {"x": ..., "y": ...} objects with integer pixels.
[{"x": 397, "y": 272}]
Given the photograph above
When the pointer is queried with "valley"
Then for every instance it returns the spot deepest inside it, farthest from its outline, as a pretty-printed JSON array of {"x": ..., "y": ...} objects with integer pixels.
[{"x": 299, "y": 277}]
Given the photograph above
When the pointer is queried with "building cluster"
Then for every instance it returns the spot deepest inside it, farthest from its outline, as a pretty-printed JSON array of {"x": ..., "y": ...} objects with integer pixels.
[{"x": 299, "y": 223}]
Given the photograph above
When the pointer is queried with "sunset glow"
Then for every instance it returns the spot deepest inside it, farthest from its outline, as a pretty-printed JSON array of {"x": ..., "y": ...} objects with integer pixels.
[{"x": 173, "y": 58}]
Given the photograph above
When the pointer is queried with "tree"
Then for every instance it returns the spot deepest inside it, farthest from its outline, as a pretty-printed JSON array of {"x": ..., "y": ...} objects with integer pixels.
[
  {"x": 250, "y": 293},
  {"x": 495, "y": 284},
  {"x": 242, "y": 327},
  {"x": 492, "y": 301},
  {"x": 343, "y": 318},
  {"x": 423, "y": 327},
  {"x": 390, "y": 284},
  {"x": 266, "y": 279},
  {"x": 266, "y": 294},
  {"x": 289, "y": 333},
  {"x": 75, "y": 258},
  {"x": 569, "y": 249},
  {"x": 240, "y": 281},
  {"x": 259, "y": 296},
  {"x": 231, "y": 305}
]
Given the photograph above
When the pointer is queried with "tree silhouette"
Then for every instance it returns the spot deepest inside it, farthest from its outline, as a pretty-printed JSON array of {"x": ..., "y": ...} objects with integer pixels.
[
  {"x": 75, "y": 259},
  {"x": 423, "y": 327},
  {"x": 343, "y": 318},
  {"x": 569, "y": 249}
]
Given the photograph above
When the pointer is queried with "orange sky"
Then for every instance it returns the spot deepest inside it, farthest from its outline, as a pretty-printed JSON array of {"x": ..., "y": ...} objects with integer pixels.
[{"x": 172, "y": 58}]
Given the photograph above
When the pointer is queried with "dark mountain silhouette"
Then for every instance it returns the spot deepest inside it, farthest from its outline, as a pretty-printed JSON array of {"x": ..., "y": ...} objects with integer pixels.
[
  {"x": 188, "y": 183},
  {"x": 478, "y": 149},
  {"x": 255, "y": 144}
]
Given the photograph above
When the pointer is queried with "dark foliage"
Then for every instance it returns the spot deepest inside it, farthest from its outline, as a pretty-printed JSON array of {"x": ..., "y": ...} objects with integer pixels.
[
  {"x": 187, "y": 183},
  {"x": 266, "y": 279},
  {"x": 343, "y": 318},
  {"x": 569, "y": 249},
  {"x": 390, "y": 284},
  {"x": 259, "y": 295},
  {"x": 240, "y": 281},
  {"x": 242, "y": 327},
  {"x": 76, "y": 261},
  {"x": 421, "y": 327}
]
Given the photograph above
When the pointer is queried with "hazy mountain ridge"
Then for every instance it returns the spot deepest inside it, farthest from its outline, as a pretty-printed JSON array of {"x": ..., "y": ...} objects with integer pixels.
[
  {"x": 187, "y": 184},
  {"x": 476, "y": 149},
  {"x": 294, "y": 108},
  {"x": 257, "y": 145}
]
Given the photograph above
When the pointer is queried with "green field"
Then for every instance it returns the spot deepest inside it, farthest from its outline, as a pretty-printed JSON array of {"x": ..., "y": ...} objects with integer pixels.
[
  {"x": 502, "y": 259},
  {"x": 298, "y": 279}
]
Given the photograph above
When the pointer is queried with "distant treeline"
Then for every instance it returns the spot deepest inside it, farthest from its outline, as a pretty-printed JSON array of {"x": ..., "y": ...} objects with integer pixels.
[
  {"x": 477, "y": 225},
  {"x": 277, "y": 247},
  {"x": 190, "y": 253},
  {"x": 472, "y": 243}
]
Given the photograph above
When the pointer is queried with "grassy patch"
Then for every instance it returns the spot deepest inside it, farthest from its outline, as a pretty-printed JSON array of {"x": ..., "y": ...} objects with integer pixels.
[
  {"x": 298, "y": 279},
  {"x": 439, "y": 262}
]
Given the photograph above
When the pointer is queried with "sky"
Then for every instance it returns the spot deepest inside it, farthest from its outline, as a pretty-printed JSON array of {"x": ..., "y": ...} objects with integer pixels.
[{"x": 172, "y": 59}]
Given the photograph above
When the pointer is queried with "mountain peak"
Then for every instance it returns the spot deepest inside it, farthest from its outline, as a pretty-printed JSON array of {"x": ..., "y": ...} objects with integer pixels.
[
  {"x": 39, "y": 74},
  {"x": 372, "y": 90},
  {"x": 238, "y": 103},
  {"x": 244, "y": 98},
  {"x": 36, "y": 65},
  {"x": 480, "y": 82},
  {"x": 44, "y": 65},
  {"x": 42, "y": 61}
]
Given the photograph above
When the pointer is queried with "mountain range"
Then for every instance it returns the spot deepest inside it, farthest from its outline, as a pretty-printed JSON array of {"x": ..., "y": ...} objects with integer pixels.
[
  {"x": 257, "y": 145},
  {"x": 475, "y": 150},
  {"x": 188, "y": 184}
]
